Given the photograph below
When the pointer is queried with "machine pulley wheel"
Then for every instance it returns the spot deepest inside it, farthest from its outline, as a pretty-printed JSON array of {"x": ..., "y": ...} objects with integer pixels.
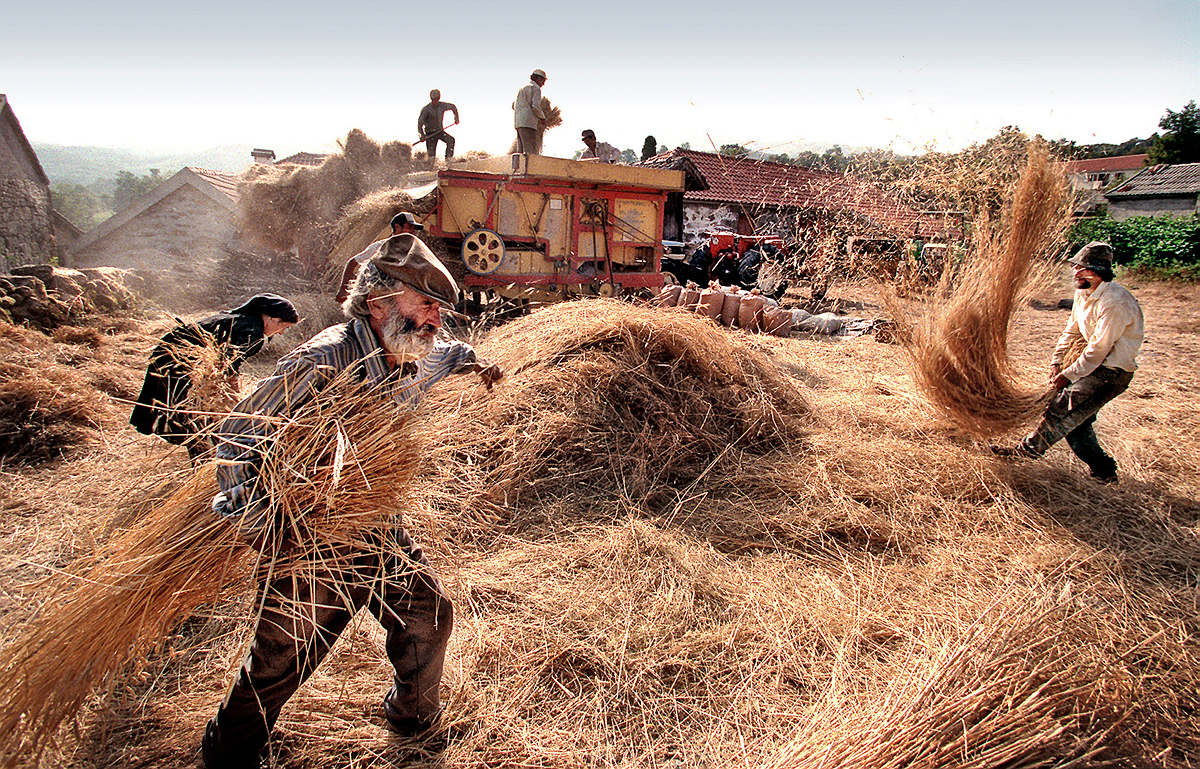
[
  {"x": 482, "y": 251},
  {"x": 608, "y": 290}
]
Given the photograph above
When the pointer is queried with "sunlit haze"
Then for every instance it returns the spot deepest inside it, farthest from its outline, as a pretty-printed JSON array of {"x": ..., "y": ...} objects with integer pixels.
[{"x": 296, "y": 76}]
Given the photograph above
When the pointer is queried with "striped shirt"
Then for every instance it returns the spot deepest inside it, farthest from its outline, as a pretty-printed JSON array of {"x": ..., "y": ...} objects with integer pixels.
[{"x": 244, "y": 437}]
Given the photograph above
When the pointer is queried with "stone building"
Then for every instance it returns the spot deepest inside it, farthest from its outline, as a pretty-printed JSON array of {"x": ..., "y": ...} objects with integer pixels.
[
  {"x": 1157, "y": 191},
  {"x": 26, "y": 228},
  {"x": 178, "y": 237}
]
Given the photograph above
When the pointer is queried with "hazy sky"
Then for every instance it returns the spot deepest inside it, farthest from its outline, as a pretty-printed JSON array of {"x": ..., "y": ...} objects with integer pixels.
[{"x": 298, "y": 75}]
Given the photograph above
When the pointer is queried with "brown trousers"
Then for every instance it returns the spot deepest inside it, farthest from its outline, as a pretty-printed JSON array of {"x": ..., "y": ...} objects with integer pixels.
[
  {"x": 529, "y": 141},
  {"x": 302, "y": 618}
]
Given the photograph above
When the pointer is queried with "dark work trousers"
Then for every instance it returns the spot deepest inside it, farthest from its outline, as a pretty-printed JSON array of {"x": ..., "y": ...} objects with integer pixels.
[
  {"x": 529, "y": 141},
  {"x": 302, "y": 618},
  {"x": 1072, "y": 415},
  {"x": 431, "y": 143}
]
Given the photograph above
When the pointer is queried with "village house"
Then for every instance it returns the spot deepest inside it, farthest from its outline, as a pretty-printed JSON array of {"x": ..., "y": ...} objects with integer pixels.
[
  {"x": 831, "y": 218},
  {"x": 177, "y": 237},
  {"x": 1160, "y": 190},
  {"x": 1089, "y": 178},
  {"x": 26, "y": 225}
]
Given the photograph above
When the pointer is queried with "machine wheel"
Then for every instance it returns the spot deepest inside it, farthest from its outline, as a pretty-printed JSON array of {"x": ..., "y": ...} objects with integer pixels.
[
  {"x": 482, "y": 251},
  {"x": 608, "y": 290}
]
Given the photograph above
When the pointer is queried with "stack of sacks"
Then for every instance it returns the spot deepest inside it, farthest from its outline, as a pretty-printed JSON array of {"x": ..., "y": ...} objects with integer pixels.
[{"x": 730, "y": 306}]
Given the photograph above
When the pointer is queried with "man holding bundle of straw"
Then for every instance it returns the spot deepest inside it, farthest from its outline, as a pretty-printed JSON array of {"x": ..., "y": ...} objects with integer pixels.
[
  {"x": 389, "y": 345},
  {"x": 1107, "y": 321}
]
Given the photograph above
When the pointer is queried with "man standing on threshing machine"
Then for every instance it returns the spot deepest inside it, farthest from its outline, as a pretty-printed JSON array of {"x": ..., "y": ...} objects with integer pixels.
[
  {"x": 430, "y": 127},
  {"x": 602, "y": 151},
  {"x": 391, "y": 345},
  {"x": 528, "y": 116},
  {"x": 403, "y": 222},
  {"x": 1107, "y": 318}
]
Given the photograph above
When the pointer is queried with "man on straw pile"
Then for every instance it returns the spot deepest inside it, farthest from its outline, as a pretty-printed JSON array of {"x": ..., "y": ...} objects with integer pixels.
[
  {"x": 430, "y": 125},
  {"x": 1108, "y": 320},
  {"x": 403, "y": 222},
  {"x": 528, "y": 116},
  {"x": 391, "y": 345}
]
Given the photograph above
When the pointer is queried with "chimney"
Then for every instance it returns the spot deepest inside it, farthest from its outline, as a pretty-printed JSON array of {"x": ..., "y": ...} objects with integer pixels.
[{"x": 263, "y": 157}]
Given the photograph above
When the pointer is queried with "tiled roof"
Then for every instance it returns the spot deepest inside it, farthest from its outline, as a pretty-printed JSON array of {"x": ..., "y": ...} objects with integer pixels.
[
  {"x": 1100, "y": 165},
  {"x": 759, "y": 182},
  {"x": 303, "y": 159},
  {"x": 1161, "y": 180},
  {"x": 227, "y": 183}
]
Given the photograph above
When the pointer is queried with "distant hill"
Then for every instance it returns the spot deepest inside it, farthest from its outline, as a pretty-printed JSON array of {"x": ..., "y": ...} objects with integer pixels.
[{"x": 85, "y": 165}]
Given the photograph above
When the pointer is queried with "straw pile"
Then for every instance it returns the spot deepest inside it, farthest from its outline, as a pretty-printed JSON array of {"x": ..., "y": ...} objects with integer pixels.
[
  {"x": 959, "y": 341},
  {"x": 45, "y": 406},
  {"x": 285, "y": 207},
  {"x": 339, "y": 470},
  {"x": 602, "y": 395}
]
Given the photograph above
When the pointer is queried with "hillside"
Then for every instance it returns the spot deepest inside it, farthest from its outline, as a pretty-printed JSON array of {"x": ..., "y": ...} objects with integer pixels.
[{"x": 84, "y": 165}]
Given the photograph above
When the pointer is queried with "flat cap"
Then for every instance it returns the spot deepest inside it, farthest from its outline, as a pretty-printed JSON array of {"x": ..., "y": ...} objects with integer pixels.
[
  {"x": 539, "y": 73},
  {"x": 1094, "y": 256},
  {"x": 408, "y": 260}
]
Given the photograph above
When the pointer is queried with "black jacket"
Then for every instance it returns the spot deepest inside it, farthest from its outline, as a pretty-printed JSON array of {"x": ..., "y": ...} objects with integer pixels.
[{"x": 168, "y": 378}]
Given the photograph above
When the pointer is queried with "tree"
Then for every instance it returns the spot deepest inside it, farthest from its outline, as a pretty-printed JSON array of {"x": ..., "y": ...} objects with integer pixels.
[
  {"x": 130, "y": 187},
  {"x": 77, "y": 203},
  {"x": 736, "y": 150},
  {"x": 649, "y": 148},
  {"x": 628, "y": 156},
  {"x": 1181, "y": 142}
]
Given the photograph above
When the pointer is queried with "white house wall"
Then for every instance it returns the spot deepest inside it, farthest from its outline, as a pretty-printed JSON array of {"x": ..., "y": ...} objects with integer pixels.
[{"x": 1122, "y": 209}]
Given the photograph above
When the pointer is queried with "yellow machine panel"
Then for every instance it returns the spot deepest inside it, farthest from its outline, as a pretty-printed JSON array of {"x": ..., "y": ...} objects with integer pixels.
[{"x": 465, "y": 207}]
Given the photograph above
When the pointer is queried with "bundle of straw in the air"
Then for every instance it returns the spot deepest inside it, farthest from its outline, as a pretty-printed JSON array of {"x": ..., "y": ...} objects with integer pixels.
[
  {"x": 336, "y": 472},
  {"x": 959, "y": 340}
]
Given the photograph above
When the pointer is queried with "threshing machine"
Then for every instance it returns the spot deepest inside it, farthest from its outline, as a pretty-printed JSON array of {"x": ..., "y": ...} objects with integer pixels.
[{"x": 544, "y": 228}]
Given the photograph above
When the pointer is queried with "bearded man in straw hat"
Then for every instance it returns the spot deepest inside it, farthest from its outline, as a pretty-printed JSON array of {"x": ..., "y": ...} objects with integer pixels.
[
  {"x": 1106, "y": 318},
  {"x": 390, "y": 344}
]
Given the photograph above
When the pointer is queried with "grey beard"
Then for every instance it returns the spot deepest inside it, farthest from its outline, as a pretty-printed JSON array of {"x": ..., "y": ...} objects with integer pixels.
[{"x": 404, "y": 341}]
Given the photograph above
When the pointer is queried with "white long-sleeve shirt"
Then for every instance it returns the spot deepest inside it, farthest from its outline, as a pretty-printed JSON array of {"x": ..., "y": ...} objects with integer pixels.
[
  {"x": 1110, "y": 320},
  {"x": 527, "y": 109}
]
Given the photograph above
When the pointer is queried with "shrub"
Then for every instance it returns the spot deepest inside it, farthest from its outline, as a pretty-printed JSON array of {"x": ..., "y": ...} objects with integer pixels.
[{"x": 1154, "y": 246}]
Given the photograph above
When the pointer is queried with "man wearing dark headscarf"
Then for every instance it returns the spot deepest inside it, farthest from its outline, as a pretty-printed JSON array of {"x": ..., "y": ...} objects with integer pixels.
[{"x": 237, "y": 334}]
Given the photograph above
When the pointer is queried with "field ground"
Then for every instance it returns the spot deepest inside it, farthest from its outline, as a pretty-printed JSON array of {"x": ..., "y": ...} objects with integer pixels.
[{"x": 880, "y": 592}]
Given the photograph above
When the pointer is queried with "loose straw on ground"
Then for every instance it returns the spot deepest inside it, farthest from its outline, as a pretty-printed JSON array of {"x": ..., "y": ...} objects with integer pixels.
[{"x": 338, "y": 471}]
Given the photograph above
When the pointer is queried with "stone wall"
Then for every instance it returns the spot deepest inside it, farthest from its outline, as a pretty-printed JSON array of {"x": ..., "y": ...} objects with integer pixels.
[
  {"x": 699, "y": 218},
  {"x": 25, "y": 227},
  {"x": 1124, "y": 208}
]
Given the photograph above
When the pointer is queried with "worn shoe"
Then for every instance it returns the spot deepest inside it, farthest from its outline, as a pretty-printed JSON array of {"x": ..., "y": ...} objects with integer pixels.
[
  {"x": 215, "y": 758},
  {"x": 408, "y": 726}
]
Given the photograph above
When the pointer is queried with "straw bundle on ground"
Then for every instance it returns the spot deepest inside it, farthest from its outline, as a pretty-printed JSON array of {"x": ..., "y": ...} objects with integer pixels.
[
  {"x": 959, "y": 341},
  {"x": 341, "y": 469},
  {"x": 602, "y": 396},
  {"x": 45, "y": 407}
]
